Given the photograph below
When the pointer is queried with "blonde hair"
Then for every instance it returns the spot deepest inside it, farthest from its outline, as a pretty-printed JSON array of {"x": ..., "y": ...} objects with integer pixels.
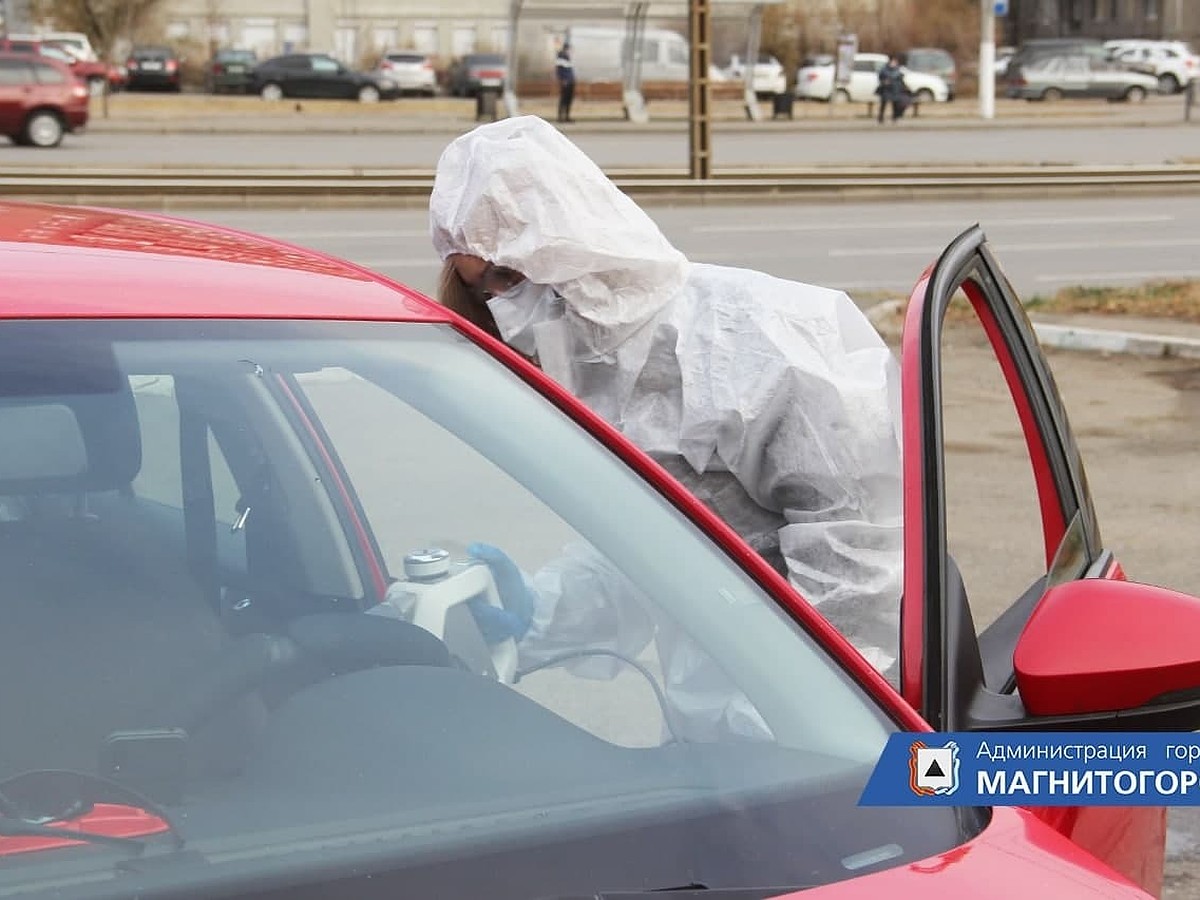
[{"x": 457, "y": 296}]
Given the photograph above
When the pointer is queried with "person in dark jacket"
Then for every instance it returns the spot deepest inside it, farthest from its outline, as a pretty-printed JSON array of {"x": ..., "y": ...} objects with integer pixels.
[
  {"x": 891, "y": 89},
  {"x": 564, "y": 71}
]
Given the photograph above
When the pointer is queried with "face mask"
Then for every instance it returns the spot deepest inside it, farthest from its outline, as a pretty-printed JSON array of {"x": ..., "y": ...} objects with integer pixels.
[{"x": 520, "y": 308}]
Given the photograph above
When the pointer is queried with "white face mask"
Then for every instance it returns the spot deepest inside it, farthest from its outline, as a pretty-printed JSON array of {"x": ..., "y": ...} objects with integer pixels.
[{"x": 518, "y": 310}]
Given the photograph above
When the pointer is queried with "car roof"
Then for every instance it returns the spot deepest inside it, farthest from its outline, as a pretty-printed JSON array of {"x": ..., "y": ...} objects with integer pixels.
[{"x": 74, "y": 262}]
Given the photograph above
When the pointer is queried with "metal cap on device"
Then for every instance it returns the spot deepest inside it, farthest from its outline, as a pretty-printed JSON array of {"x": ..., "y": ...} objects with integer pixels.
[{"x": 428, "y": 564}]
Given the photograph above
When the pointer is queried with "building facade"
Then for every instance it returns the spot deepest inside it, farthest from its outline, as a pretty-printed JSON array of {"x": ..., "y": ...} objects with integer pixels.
[
  {"x": 349, "y": 29},
  {"x": 1104, "y": 19}
]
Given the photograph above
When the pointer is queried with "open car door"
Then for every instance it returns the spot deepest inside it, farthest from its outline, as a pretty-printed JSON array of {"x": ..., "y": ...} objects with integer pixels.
[{"x": 961, "y": 679}]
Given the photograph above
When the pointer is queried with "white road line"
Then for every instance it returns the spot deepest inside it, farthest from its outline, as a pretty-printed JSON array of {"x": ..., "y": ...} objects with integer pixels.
[
  {"x": 1102, "y": 277},
  {"x": 327, "y": 235},
  {"x": 1039, "y": 247},
  {"x": 425, "y": 262},
  {"x": 884, "y": 223}
]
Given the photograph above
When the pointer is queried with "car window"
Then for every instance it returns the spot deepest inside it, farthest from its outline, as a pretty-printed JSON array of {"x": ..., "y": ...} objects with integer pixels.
[
  {"x": 406, "y": 57},
  {"x": 659, "y": 699},
  {"x": 15, "y": 72},
  {"x": 867, "y": 65},
  {"x": 294, "y": 63},
  {"x": 325, "y": 64},
  {"x": 48, "y": 74}
]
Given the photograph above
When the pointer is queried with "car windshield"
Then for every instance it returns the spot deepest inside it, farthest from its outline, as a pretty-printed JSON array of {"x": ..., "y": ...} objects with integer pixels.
[
  {"x": 236, "y": 56},
  {"x": 223, "y": 588},
  {"x": 406, "y": 57}
]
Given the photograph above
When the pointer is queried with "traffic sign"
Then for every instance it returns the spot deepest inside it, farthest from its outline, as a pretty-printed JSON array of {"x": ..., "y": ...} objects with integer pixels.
[{"x": 1000, "y": 7}]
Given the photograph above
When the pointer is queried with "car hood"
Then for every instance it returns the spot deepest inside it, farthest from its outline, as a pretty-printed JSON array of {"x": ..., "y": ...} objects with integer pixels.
[{"x": 1017, "y": 855}]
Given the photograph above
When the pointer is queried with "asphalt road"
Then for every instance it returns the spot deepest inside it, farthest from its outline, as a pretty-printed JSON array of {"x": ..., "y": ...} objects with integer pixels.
[
  {"x": 622, "y": 146},
  {"x": 870, "y": 250}
]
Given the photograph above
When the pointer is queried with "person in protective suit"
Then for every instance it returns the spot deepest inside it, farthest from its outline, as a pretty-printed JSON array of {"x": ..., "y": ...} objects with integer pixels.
[{"x": 775, "y": 402}]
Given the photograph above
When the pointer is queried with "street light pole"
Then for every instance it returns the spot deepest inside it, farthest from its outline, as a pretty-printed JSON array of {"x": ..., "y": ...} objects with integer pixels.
[
  {"x": 987, "y": 59},
  {"x": 699, "y": 94}
]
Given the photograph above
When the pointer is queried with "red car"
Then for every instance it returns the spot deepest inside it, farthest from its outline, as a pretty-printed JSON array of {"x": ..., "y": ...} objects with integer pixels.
[
  {"x": 93, "y": 74},
  {"x": 236, "y": 657},
  {"x": 40, "y": 100}
]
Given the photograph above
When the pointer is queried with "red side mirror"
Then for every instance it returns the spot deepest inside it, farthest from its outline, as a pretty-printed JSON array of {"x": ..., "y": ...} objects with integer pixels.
[{"x": 1099, "y": 646}]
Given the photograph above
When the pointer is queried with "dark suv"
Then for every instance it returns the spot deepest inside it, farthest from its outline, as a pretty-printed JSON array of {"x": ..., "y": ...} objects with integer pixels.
[{"x": 40, "y": 100}]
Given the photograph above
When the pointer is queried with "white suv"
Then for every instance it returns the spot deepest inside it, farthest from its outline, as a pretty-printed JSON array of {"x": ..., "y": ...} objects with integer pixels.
[
  {"x": 1172, "y": 62},
  {"x": 815, "y": 81}
]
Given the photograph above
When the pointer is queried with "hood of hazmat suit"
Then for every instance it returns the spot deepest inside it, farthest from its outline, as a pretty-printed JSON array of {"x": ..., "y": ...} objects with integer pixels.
[{"x": 775, "y": 402}]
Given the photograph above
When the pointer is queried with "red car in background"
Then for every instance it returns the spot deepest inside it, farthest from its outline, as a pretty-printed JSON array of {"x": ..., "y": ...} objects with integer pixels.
[
  {"x": 96, "y": 75},
  {"x": 40, "y": 100},
  {"x": 220, "y": 454}
]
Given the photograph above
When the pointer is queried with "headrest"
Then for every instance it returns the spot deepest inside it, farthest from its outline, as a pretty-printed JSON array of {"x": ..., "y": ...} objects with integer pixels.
[{"x": 68, "y": 422}]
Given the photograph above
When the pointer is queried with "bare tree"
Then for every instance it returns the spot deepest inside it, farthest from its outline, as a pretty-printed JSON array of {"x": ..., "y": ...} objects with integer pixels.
[{"x": 103, "y": 21}]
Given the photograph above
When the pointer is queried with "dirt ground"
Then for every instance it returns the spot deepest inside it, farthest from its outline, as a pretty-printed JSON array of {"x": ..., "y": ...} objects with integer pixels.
[{"x": 1137, "y": 421}]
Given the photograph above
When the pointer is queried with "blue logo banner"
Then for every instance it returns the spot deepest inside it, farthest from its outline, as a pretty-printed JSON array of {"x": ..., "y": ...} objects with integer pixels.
[{"x": 1037, "y": 769}]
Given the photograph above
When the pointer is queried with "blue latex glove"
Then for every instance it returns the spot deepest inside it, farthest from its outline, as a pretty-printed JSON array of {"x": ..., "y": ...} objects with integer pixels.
[{"x": 513, "y": 620}]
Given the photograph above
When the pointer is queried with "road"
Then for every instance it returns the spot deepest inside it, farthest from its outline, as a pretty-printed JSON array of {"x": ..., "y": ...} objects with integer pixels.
[
  {"x": 622, "y": 146},
  {"x": 870, "y": 250}
]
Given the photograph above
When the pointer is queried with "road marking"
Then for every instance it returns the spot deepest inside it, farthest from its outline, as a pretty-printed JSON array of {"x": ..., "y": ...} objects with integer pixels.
[
  {"x": 1101, "y": 277},
  {"x": 885, "y": 223},
  {"x": 424, "y": 262},
  {"x": 1039, "y": 247},
  {"x": 326, "y": 235}
]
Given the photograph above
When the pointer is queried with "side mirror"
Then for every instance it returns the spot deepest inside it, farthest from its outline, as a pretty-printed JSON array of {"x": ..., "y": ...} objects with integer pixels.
[{"x": 1098, "y": 646}]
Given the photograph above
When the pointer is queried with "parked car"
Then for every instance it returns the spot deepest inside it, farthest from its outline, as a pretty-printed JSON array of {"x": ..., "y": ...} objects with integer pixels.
[
  {"x": 216, "y": 471},
  {"x": 469, "y": 73},
  {"x": 1172, "y": 62},
  {"x": 1036, "y": 48},
  {"x": 1078, "y": 76},
  {"x": 412, "y": 71},
  {"x": 152, "y": 68},
  {"x": 229, "y": 71},
  {"x": 933, "y": 61},
  {"x": 92, "y": 73},
  {"x": 816, "y": 81},
  {"x": 769, "y": 77},
  {"x": 318, "y": 76},
  {"x": 1003, "y": 56},
  {"x": 41, "y": 99}
]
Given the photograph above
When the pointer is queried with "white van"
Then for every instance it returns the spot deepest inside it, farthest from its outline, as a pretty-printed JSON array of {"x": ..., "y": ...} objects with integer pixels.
[{"x": 596, "y": 53}]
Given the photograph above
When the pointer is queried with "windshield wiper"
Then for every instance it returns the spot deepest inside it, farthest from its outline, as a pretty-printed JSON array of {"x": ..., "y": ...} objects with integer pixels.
[{"x": 25, "y": 828}]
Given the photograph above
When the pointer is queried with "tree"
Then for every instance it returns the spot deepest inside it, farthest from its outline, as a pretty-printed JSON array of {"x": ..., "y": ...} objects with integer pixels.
[{"x": 104, "y": 21}]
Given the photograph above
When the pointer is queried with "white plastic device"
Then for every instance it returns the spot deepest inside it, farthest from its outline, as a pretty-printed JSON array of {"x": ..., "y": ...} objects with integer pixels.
[{"x": 433, "y": 596}]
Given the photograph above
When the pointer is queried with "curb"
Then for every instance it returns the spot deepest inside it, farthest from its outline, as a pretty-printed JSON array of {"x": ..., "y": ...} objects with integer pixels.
[
  {"x": 1072, "y": 337},
  {"x": 600, "y": 126}
]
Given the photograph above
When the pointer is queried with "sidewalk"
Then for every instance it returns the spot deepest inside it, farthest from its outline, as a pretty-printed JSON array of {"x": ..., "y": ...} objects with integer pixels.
[
  {"x": 1133, "y": 335},
  {"x": 198, "y": 113}
]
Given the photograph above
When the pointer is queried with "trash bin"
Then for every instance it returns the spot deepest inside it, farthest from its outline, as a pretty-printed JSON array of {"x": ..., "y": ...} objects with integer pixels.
[
  {"x": 486, "y": 104},
  {"x": 781, "y": 105}
]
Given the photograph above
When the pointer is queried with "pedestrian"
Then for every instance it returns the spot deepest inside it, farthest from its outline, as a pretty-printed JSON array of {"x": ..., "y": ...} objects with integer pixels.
[
  {"x": 774, "y": 402},
  {"x": 891, "y": 89},
  {"x": 564, "y": 71}
]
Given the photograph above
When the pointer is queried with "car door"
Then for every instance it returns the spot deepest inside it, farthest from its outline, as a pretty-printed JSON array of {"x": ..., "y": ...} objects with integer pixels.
[
  {"x": 330, "y": 79},
  {"x": 958, "y": 678},
  {"x": 16, "y": 89},
  {"x": 864, "y": 79}
]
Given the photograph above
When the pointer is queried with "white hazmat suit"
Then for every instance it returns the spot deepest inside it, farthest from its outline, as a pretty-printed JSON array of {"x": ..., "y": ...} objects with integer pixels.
[{"x": 774, "y": 402}]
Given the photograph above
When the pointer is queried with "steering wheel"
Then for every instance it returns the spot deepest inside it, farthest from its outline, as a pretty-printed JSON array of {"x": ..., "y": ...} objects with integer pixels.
[{"x": 315, "y": 647}]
